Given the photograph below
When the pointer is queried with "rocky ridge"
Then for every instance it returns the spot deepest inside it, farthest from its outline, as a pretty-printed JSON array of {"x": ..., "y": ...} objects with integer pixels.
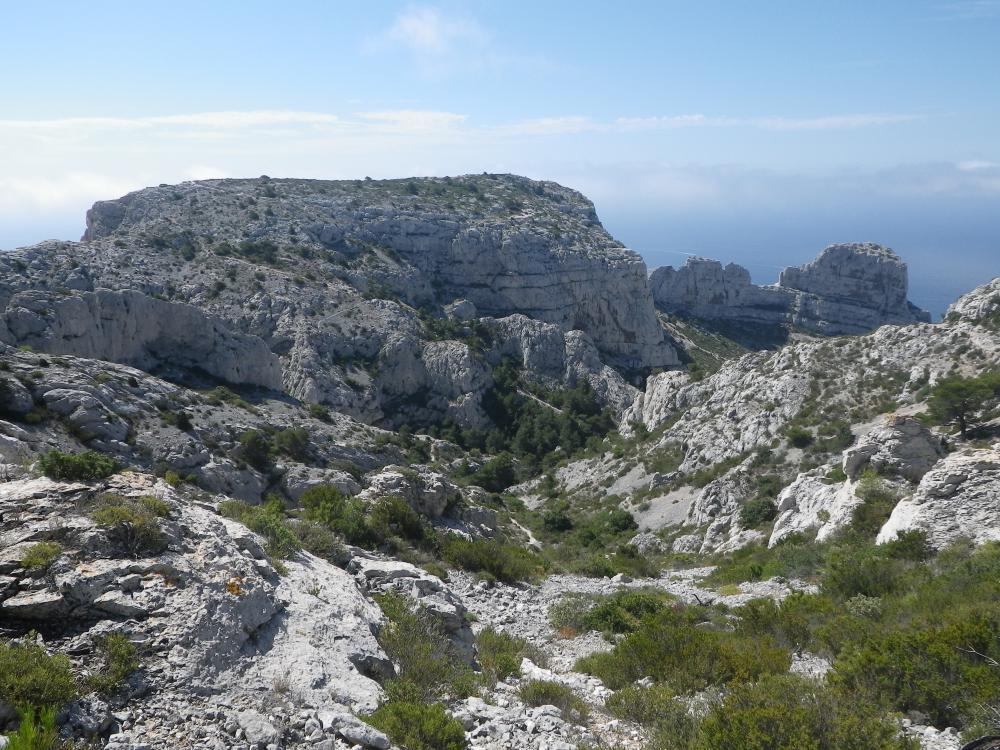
[{"x": 847, "y": 289}]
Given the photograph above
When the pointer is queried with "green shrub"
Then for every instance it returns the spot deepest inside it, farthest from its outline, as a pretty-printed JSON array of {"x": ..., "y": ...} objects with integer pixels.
[
  {"x": 644, "y": 705},
  {"x": 927, "y": 669},
  {"x": 36, "y": 732},
  {"x": 504, "y": 562},
  {"x": 418, "y": 726},
  {"x": 669, "y": 648},
  {"x": 120, "y": 660},
  {"x": 292, "y": 442},
  {"x": 550, "y": 693},
  {"x": 40, "y": 556},
  {"x": 427, "y": 663},
  {"x": 500, "y": 654},
  {"x": 786, "y": 712},
  {"x": 321, "y": 541},
  {"x": 799, "y": 437},
  {"x": 570, "y": 613},
  {"x": 86, "y": 466},
  {"x": 268, "y": 520},
  {"x": 860, "y": 570},
  {"x": 132, "y": 523},
  {"x": 255, "y": 449},
  {"x": 327, "y": 505},
  {"x": 31, "y": 678},
  {"x": 496, "y": 474},
  {"x": 910, "y": 545},
  {"x": 392, "y": 516},
  {"x": 623, "y": 611},
  {"x": 756, "y": 513}
]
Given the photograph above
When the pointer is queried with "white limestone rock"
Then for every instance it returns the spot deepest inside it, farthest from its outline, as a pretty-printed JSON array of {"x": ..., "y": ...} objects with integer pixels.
[
  {"x": 848, "y": 288},
  {"x": 959, "y": 497}
]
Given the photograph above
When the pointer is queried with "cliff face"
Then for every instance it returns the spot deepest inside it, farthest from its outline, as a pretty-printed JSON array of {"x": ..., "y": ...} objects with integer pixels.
[
  {"x": 505, "y": 243},
  {"x": 847, "y": 289},
  {"x": 344, "y": 288}
]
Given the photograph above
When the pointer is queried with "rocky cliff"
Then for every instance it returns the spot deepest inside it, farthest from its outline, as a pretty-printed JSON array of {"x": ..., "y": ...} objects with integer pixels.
[
  {"x": 387, "y": 300},
  {"x": 847, "y": 289}
]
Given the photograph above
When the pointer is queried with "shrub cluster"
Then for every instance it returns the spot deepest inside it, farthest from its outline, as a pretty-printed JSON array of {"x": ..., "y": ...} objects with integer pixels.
[
  {"x": 86, "y": 466},
  {"x": 673, "y": 647},
  {"x": 133, "y": 523}
]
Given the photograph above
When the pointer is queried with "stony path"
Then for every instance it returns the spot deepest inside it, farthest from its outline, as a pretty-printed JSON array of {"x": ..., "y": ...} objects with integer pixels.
[{"x": 523, "y": 611}]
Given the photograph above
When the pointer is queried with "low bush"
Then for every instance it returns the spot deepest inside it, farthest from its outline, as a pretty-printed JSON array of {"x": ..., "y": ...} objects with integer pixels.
[
  {"x": 132, "y": 523},
  {"x": 40, "y": 557},
  {"x": 292, "y": 442},
  {"x": 86, "y": 466},
  {"x": 419, "y": 726},
  {"x": 935, "y": 670},
  {"x": 120, "y": 659},
  {"x": 669, "y": 648},
  {"x": 268, "y": 520},
  {"x": 755, "y": 513},
  {"x": 799, "y": 437},
  {"x": 36, "y": 732},
  {"x": 504, "y": 562},
  {"x": 551, "y": 693},
  {"x": 347, "y": 516},
  {"x": 32, "y": 678},
  {"x": 787, "y": 712},
  {"x": 256, "y": 449},
  {"x": 427, "y": 663},
  {"x": 643, "y": 705},
  {"x": 500, "y": 654}
]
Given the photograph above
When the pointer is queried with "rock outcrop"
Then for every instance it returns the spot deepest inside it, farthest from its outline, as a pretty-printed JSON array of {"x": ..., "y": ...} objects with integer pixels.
[
  {"x": 959, "y": 497},
  {"x": 848, "y": 289},
  {"x": 134, "y": 329}
]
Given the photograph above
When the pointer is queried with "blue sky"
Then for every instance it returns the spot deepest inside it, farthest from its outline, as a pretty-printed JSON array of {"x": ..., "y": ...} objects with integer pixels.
[{"x": 754, "y": 132}]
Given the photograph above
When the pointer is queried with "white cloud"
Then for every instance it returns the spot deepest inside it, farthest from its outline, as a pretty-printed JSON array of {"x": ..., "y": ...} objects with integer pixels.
[
  {"x": 834, "y": 122},
  {"x": 976, "y": 165},
  {"x": 413, "y": 120},
  {"x": 437, "y": 42}
]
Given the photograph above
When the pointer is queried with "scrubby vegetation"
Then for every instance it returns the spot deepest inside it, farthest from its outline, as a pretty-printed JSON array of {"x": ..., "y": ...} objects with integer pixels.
[
  {"x": 40, "y": 556},
  {"x": 120, "y": 659},
  {"x": 132, "y": 523},
  {"x": 550, "y": 693},
  {"x": 538, "y": 427},
  {"x": 82, "y": 467}
]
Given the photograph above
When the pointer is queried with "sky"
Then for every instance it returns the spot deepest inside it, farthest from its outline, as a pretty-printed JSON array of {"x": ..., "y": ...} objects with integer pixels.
[{"x": 749, "y": 132}]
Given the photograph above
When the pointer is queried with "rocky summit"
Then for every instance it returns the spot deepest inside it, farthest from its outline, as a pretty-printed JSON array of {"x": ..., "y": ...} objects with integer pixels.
[
  {"x": 432, "y": 464},
  {"x": 851, "y": 288}
]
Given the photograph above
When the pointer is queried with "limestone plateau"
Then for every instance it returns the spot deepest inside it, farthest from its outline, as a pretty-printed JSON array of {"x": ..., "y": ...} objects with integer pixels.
[{"x": 435, "y": 463}]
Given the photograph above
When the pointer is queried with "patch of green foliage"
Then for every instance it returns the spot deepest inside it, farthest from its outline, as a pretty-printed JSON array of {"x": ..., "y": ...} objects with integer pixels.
[
  {"x": 83, "y": 467},
  {"x": 620, "y": 612},
  {"x": 963, "y": 401},
  {"x": 428, "y": 667},
  {"x": 419, "y": 726},
  {"x": 756, "y": 513},
  {"x": 680, "y": 647},
  {"x": 120, "y": 659},
  {"x": 788, "y": 712},
  {"x": 37, "y": 731},
  {"x": 40, "y": 557},
  {"x": 537, "y": 427},
  {"x": 132, "y": 523},
  {"x": 491, "y": 558},
  {"x": 500, "y": 654},
  {"x": 269, "y": 520},
  {"x": 31, "y": 678},
  {"x": 551, "y": 693}
]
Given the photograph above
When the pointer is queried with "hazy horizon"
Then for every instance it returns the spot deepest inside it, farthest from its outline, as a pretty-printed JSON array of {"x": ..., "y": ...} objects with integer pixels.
[{"x": 757, "y": 133}]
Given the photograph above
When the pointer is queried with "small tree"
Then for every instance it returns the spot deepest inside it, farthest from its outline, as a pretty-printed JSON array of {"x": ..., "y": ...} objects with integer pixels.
[{"x": 961, "y": 401}]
